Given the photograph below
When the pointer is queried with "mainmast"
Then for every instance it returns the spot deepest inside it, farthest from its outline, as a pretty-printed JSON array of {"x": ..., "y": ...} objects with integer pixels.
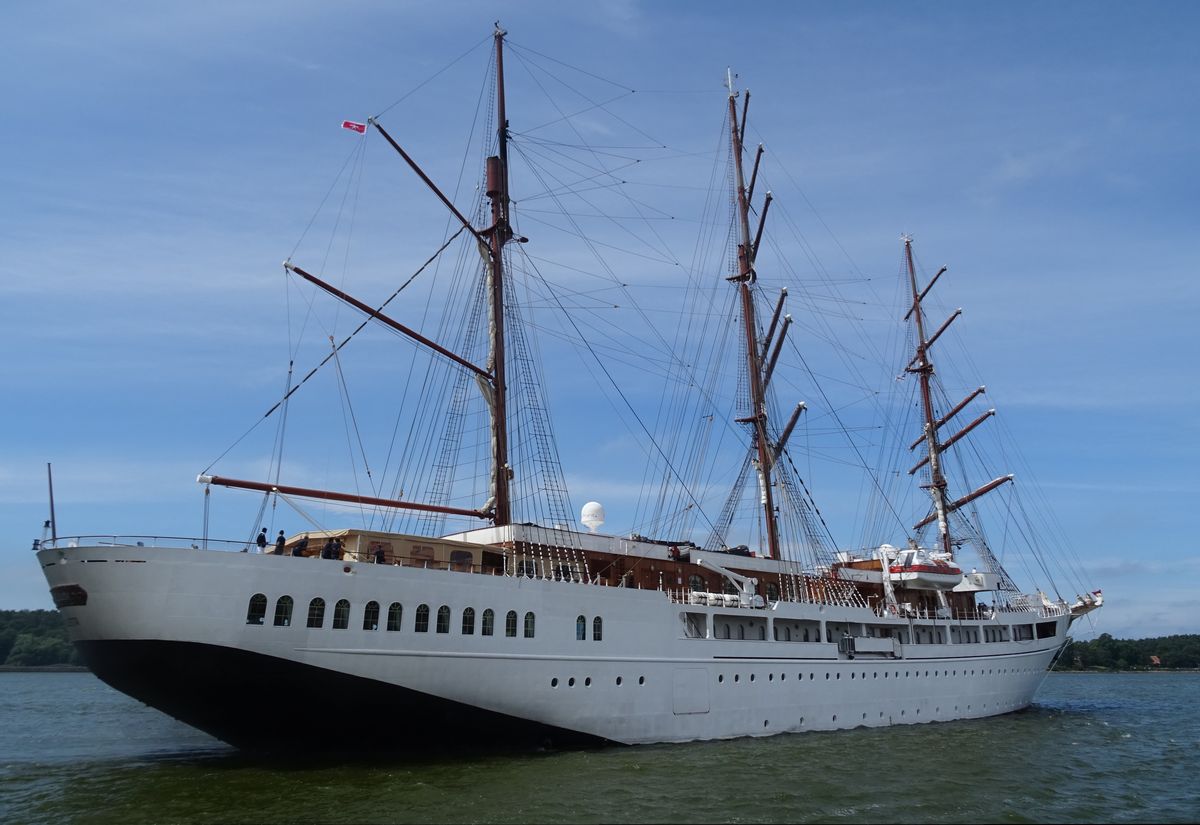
[
  {"x": 744, "y": 278},
  {"x": 498, "y": 235}
]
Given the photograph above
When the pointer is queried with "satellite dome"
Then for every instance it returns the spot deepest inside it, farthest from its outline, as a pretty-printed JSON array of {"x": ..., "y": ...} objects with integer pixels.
[{"x": 592, "y": 515}]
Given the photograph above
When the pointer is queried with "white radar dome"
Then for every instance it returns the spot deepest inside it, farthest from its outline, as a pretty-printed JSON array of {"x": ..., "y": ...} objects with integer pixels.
[{"x": 592, "y": 515}]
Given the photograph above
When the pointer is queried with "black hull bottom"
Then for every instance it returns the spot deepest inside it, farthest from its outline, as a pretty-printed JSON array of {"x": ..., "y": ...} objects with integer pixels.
[{"x": 263, "y": 703}]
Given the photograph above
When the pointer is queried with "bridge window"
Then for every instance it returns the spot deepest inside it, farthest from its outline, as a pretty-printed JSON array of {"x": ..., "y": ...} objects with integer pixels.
[
  {"x": 696, "y": 583},
  {"x": 443, "y": 619},
  {"x": 395, "y": 613},
  {"x": 316, "y": 612},
  {"x": 422, "y": 625},
  {"x": 341, "y": 614},
  {"x": 257, "y": 609},
  {"x": 489, "y": 623},
  {"x": 772, "y": 592},
  {"x": 371, "y": 616},
  {"x": 528, "y": 625},
  {"x": 510, "y": 624},
  {"x": 468, "y": 625}
]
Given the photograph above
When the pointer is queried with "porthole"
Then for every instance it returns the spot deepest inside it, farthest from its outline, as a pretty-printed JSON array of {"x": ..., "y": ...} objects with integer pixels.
[
  {"x": 765, "y": 721},
  {"x": 835, "y": 717},
  {"x": 737, "y": 677},
  {"x": 770, "y": 677},
  {"x": 618, "y": 681},
  {"x": 641, "y": 680},
  {"x": 751, "y": 677},
  {"x": 826, "y": 675},
  {"x": 554, "y": 682},
  {"x": 571, "y": 682},
  {"x": 783, "y": 677},
  {"x": 721, "y": 678},
  {"x": 587, "y": 682}
]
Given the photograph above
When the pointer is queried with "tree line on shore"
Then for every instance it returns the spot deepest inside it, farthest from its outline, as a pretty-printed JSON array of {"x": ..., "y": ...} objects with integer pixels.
[
  {"x": 32, "y": 638},
  {"x": 1106, "y": 653}
]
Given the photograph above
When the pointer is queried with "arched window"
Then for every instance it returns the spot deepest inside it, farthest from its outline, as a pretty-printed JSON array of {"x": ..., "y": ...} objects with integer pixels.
[
  {"x": 510, "y": 624},
  {"x": 422, "y": 625},
  {"x": 762, "y": 632},
  {"x": 371, "y": 616},
  {"x": 316, "y": 612},
  {"x": 443, "y": 620},
  {"x": 395, "y": 613},
  {"x": 772, "y": 592},
  {"x": 741, "y": 631},
  {"x": 257, "y": 609},
  {"x": 489, "y": 622},
  {"x": 283, "y": 611},
  {"x": 468, "y": 626},
  {"x": 580, "y": 628},
  {"x": 528, "y": 625},
  {"x": 696, "y": 583},
  {"x": 341, "y": 614},
  {"x": 597, "y": 629}
]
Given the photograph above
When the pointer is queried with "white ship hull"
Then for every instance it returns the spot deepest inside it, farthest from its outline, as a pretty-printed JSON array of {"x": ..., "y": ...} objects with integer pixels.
[{"x": 169, "y": 626}]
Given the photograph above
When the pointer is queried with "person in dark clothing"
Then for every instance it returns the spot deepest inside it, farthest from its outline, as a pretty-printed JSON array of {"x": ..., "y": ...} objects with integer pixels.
[
  {"x": 280, "y": 541},
  {"x": 301, "y": 546},
  {"x": 327, "y": 550},
  {"x": 261, "y": 541},
  {"x": 379, "y": 556}
]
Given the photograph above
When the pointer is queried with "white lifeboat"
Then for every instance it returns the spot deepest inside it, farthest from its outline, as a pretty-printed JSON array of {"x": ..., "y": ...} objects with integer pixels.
[{"x": 920, "y": 570}]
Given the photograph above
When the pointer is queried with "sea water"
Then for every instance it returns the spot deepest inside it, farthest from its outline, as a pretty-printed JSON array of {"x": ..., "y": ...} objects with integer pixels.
[{"x": 1093, "y": 748}]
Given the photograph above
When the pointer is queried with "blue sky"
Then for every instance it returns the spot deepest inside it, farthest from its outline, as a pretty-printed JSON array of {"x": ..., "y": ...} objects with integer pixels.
[{"x": 162, "y": 159}]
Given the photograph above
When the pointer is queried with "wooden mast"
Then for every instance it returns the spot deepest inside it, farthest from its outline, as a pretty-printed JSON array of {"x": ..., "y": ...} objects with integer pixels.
[
  {"x": 924, "y": 368},
  {"x": 744, "y": 278},
  {"x": 499, "y": 234}
]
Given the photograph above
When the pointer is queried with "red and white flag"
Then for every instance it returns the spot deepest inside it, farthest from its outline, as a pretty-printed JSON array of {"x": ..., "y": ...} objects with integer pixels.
[{"x": 361, "y": 128}]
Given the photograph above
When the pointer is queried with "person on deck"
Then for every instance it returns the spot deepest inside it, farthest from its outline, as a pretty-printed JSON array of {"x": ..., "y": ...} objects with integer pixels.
[
  {"x": 261, "y": 541},
  {"x": 327, "y": 550},
  {"x": 380, "y": 557},
  {"x": 301, "y": 546},
  {"x": 280, "y": 541}
]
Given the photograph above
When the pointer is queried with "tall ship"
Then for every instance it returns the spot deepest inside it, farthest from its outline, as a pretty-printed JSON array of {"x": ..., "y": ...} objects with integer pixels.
[{"x": 476, "y": 610}]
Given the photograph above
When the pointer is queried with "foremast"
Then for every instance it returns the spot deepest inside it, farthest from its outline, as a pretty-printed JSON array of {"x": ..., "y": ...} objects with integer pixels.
[
  {"x": 744, "y": 278},
  {"x": 922, "y": 365}
]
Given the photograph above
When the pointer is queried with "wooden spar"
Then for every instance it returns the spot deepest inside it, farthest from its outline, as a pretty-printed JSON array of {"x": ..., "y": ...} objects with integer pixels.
[
  {"x": 787, "y": 322},
  {"x": 949, "y": 442},
  {"x": 774, "y": 320},
  {"x": 334, "y": 496},
  {"x": 912, "y": 364},
  {"x": 498, "y": 235},
  {"x": 957, "y": 409},
  {"x": 787, "y": 431},
  {"x": 925, "y": 291},
  {"x": 965, "y": 500},
  {"x": 744, "y": 279},
  {"x": 375, "y": 313},
  {"x": 924, "y": 368},
  {"x": 421, "y": 174},
  {"x": 754, "y": 174},
  {"x": 762, "y": 221}
]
